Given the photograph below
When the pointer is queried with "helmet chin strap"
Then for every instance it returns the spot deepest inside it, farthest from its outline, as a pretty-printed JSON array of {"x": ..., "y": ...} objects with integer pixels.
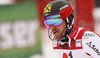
[
  {"x": 58, "y": 36},
  {"x": 67, "y": 33},
  {"x": 65, "y": 38}
]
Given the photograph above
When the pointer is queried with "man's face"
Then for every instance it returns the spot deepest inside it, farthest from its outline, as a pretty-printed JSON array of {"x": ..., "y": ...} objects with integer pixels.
[{"x": 58, "y": 30}]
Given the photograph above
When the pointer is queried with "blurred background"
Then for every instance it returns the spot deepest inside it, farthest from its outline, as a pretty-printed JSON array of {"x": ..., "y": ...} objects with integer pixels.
[{"x": 22, "y": 31}]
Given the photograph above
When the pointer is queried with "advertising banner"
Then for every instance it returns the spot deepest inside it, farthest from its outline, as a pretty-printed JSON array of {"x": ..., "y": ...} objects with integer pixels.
[{"x": 19, "y": 31}]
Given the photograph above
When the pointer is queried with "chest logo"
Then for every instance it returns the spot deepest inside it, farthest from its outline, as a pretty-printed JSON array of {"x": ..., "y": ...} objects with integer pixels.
[
  {"x": 54, "y": 43},
  {"x": 78, "y": 43}
]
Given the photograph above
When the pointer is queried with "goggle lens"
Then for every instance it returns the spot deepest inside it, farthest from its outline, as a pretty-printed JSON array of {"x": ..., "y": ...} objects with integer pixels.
[{"x": 53, "y": 20}]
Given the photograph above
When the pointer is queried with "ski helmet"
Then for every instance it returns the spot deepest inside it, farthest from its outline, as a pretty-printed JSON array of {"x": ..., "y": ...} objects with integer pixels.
[
  {"x": 60, "y": 7},
  {"x": 64, "y": 9}
]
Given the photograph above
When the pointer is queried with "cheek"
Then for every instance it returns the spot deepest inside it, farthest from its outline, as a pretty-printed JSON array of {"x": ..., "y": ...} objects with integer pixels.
[{"x": 61, "y": 28}]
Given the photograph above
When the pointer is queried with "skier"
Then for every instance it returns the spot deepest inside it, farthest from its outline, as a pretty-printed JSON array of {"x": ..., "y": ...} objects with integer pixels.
[{"x": 69, "y": 41}]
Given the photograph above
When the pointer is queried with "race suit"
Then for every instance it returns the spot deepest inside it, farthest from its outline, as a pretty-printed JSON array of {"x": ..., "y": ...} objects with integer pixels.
[{"x": 82, "y": 44}]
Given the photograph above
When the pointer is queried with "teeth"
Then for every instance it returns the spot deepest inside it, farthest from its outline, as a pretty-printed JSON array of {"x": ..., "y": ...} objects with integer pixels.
[{"x": 56, "y": 32}]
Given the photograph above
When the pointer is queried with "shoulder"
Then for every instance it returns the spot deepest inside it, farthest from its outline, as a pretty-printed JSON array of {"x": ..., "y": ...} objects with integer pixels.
[
  {"x": 91, "y": 43},
  {"x": 90, "y": 35},
  {"x": 86, "y": 34}
]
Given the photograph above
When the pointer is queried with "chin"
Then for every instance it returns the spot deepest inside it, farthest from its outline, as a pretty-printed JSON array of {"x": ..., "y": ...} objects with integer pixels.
[{"x": 60, "y": 37}]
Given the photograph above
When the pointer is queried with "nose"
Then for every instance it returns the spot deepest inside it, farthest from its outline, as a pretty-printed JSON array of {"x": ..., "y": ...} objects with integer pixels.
[{"x": 52, "y": 27}]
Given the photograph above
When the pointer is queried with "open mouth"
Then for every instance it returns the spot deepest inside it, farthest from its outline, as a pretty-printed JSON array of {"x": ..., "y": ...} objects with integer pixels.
[{"x": 56, "y": 33}]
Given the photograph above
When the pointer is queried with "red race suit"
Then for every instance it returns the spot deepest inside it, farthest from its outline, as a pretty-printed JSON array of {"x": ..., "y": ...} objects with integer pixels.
[{"x": 82, "y": 43}]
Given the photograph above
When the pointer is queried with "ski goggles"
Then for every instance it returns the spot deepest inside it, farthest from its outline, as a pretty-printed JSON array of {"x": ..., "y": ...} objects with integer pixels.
[{"x": 54, "y": 20}]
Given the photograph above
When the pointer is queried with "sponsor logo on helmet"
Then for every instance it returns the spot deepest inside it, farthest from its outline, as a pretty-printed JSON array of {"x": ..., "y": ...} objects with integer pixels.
[
  {"x": 46, "y": 14},
  {"x": 64, "y": 7},
  {"x": 47, "y": 8}
]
